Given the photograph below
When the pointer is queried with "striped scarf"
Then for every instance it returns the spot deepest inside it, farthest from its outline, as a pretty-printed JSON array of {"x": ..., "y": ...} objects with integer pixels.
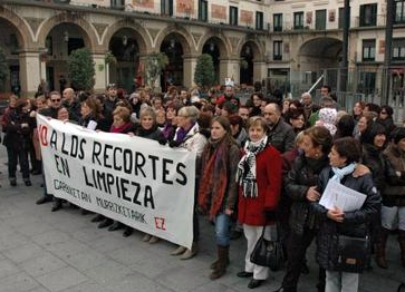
[{"x": 246, "y": 175}]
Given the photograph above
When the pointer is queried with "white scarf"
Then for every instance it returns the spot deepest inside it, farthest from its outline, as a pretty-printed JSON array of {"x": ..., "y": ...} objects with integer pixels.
[{"x": 246, "y": 174}]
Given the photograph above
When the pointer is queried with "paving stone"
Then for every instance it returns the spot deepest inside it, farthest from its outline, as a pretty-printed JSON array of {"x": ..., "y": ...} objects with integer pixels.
[
  {"x": 89, "y": 286},
  {"x": 7, "y": 268},
  {"x": 42, "y": 264},
  {"x": 61, "y": 279},
  {"x": 20, "y": 282},
  {"x": 86, "y": 260},
  {"x": 107, "y": 272},
  {"x": 24, "y": 252}
]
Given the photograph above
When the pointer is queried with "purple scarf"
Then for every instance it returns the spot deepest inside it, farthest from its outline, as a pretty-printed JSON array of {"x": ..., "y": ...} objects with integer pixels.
[{"x": 181, "y": 134}]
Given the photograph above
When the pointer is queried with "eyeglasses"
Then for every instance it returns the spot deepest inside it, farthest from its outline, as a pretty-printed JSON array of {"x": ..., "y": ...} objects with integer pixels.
[
  {"x": 56, "y": 100},
  {"x": 384, "y": 113}
]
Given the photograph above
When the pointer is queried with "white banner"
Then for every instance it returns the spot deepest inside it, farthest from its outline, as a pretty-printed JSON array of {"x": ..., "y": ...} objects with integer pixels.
[{"x": 136, "y": 181}]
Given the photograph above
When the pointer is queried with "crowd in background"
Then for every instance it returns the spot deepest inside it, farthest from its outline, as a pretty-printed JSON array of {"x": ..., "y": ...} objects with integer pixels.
[{"x": 263, "y": 162}]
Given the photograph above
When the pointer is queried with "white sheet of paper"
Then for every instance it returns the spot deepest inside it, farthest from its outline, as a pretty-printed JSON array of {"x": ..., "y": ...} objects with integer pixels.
[
  {"x": 346, "y": 199},
  {"x": 92, "y": 125}
]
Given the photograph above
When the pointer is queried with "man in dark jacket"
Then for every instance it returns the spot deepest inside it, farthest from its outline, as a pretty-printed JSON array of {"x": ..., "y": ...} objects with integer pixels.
[
  {"x": 281, "y": 135},
  {"x": 72, "y": 104},
  {"x": 55, "y": 101}
]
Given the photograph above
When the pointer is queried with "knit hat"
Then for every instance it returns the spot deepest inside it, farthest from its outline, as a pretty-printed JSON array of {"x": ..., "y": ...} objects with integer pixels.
[
  {"x": 327, "y": 119},
  {"x": 398, "y": 134}
]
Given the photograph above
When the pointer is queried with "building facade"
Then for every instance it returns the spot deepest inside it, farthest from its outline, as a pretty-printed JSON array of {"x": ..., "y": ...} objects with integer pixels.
[{"x": 288, "y": 43}]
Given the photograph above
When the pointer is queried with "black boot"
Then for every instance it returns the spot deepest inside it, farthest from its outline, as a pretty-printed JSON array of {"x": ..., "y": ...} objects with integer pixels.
[
  {"x": 13, "y": 181},
  {"x": 381, "y": 242},
  {"x": 401, "y": 240},
  {"x": 223, "y": 261}
]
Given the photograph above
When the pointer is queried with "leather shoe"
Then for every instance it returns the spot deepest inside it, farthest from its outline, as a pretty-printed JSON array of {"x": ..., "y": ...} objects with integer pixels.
[
  {"x": 116, "y": 226},
  {"x": 128, "y": 231},
  {"x": 255, "y": 283},
  {"x": 154, "y": 240},
  {"x": 56, "y": 206},
  {"x": 43, "y": 200},
  {"x": 28, "y": 183},
  {"x": 98, "y": 218},
  {"x": 105, "y": 223},
  {"x": 178, "y": 251},
  {"x": 244, "y": 274}
]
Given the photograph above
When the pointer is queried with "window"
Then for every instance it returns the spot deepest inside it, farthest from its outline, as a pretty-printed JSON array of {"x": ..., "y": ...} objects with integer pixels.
[
  {"x": 233, "y": 15},
  {"x": 202, "y": 10},
  {"x": 342, "y": 17},
  {"x": 320, "y": 21},
  {"x": 368, "y": 15},
  {"x": 368, "y": 50},
  {"x": 167, "y": 7},
  {"x": 400, "y": 11},
  {"x": 398, "y": 49},
  {"x": 278, "y": 22},
  {"x": 298, "y": 20},
  {"x": 118, "y": 4},
  {"x": 259, "y": 20},
  {"x": 367, "y": 82},
  {"x": 277, "y": 50}
]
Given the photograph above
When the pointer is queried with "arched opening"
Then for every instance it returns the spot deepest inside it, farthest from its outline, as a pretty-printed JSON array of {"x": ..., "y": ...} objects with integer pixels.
[
  {"x": 125, "y": 48},
  {"x": 11, "y": 44},
  {"x": 60, "y": 42},
  {"x": 246, "y": 64},
  {"x": 320, "y": 56},
  {"x": 173, "y": 73},
  {"x": 212, "y": 48}
]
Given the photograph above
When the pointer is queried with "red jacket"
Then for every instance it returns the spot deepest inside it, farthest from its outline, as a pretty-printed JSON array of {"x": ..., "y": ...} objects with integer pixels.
[{"x": 268, "y": 171}]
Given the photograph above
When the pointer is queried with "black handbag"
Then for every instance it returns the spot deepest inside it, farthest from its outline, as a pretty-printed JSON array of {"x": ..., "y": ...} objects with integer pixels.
[
  {"x": 353, "y": 253},
  {"x": 268, "y": 253}
]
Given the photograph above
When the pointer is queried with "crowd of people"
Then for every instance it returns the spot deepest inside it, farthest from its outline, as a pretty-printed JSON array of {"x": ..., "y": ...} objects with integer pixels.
[{"x": 263, "y": 163}]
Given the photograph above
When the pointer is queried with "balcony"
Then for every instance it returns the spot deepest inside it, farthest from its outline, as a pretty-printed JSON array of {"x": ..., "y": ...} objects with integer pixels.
[{"x": 372, "y": 21}]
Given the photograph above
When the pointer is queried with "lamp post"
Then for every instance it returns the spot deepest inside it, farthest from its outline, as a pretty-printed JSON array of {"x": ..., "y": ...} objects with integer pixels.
[
  {"x": 388, "y": 49},
  {"x": 344, "y": 63}
]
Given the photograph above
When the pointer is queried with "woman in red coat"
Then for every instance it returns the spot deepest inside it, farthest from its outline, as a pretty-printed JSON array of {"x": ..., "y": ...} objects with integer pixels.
[{"x": 259, "y": 176}]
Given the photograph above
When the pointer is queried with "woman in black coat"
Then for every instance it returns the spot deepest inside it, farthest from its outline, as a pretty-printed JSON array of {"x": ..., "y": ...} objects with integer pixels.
[
  {"x": 336, "y": 223},
  {"x": 300, "y": 186}
]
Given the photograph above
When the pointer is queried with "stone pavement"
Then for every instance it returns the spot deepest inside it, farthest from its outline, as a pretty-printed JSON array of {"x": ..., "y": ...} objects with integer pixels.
[{"x": 63, "y": 251}]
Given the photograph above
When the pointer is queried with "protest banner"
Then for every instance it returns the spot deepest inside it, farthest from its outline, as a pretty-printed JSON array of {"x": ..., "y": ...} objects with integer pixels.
[{"x": 133, "y": 180}]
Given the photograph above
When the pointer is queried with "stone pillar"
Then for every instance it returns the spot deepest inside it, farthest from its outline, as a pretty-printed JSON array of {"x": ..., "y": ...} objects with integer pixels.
[
  {"x": 189, "y": 64},
  {"x": 30, "y": 72},
  {"x": 100, "y": 76},
  {"x": 230, "y": 68},
  {"x": 259, "y": 70}
]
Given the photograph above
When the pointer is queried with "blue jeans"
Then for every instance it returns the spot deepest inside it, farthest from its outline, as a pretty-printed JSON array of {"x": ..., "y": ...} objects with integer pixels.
[{"x": 222, "y": 229}]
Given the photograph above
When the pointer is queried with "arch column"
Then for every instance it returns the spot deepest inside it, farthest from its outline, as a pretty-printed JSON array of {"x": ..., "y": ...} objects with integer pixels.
[
  {"x": 189, "y": 64},
  {"x": 30, "y": 72},
  {"x": 259, "y": 70},
  {"x": 229, "y": 68},
  {"x": 100, "y": 67}
]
